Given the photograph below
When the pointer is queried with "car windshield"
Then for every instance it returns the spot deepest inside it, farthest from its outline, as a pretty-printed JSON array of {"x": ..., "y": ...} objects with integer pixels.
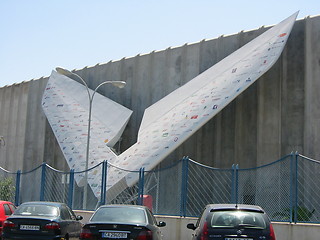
[
  {"x": 231, "y": 219},
  {"x": 37, "y": 210},
  {"x": 119, "y": 215}
]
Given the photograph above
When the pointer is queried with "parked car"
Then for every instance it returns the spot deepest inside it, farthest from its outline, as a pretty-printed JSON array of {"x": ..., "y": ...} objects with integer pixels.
[
  {"x": 122, "y": 222},
  {"x": 6, "y": 209},
  {"x": 232, "y": 222},
  {"x": 42, "y": 220}
]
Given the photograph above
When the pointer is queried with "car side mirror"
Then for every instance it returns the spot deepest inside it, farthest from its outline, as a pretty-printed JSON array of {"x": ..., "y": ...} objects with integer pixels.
[
  {"x": 79, "y": 218},
  {"x": 191, "y": 226},
  {"x": 161, "y": 224}
]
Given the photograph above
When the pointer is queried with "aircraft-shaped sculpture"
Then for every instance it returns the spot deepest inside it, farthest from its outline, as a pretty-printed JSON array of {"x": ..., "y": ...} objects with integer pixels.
[{"x": 170, "y": 121}]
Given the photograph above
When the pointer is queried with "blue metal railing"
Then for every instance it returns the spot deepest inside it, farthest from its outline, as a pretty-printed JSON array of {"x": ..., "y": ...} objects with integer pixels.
[{"x": 280, "y": 187}]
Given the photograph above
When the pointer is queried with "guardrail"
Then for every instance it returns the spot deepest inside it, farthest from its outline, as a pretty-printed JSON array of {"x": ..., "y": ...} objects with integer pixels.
[{"x": 288, "y": 189}]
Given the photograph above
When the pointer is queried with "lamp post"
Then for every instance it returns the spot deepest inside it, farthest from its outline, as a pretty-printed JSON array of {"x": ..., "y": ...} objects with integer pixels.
[{"x": 74, "y": 76}]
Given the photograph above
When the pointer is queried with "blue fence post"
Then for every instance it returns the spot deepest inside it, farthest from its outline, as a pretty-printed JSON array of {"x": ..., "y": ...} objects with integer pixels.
[
  {"x": 237, "y": 183},
  {"x": 141, "y": 187},
  {"x": 104, "y": 182},
  {"x": 293, "y": 186},
  {"x": 234, "y": 184},
  {"x": 71, "y": 188},
  {"x": 184, "y": 186},
  {"x": 233, "y": 188},
  {"x": 43, "y": 181},
  {"x": 17, "y": 195},
  {"x": 296, "y": 189}
]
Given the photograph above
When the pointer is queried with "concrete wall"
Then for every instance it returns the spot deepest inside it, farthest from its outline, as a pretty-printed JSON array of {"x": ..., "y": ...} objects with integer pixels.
[
  {"x": 176, "y": 229},
  {"x": 276, "y": 115}
]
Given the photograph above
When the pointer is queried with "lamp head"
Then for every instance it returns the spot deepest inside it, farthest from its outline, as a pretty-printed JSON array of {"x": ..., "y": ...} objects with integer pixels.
[
  {"x": 63, "y": 71},
  {"x": 119, "y": 84}
]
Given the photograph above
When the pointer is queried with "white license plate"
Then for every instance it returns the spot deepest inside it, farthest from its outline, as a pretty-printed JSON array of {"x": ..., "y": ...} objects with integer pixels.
[
  {"x": 238, "y": 239},
  {"x": 30, "y": 227},
  {"x": 114, "y": 235}
]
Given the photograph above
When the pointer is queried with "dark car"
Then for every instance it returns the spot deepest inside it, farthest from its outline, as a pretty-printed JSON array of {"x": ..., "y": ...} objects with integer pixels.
[
  {"x": 232, "y": 222},
  {"x": 122, "y": 222},
  {"x": 42, "y": 220},
  {"x": 6, "y": 209}
]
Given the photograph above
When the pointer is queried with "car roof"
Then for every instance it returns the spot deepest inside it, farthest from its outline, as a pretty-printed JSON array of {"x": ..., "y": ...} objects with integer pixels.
[
  {"x": 216, "y": 207},
  {"x": 5, "y": 202},
  {"x": 124, "y": 206},
  {"x": 56, "y": 204}
]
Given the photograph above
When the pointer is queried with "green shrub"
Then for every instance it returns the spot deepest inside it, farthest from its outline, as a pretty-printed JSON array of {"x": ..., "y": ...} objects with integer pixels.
[
  {"x": 7, "y": 189},
  {"x": 303, "y": 214}
]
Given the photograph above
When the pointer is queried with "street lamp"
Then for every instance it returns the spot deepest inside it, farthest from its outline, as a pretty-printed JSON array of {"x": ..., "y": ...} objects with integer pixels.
[{"x": 74, "y": 76}]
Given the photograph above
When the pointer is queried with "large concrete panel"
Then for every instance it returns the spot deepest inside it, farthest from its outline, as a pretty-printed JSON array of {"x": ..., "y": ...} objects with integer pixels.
[{"x": 312, "y": 87}]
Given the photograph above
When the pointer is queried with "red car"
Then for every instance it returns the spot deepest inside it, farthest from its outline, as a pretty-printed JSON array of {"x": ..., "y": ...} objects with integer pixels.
[{"x": 6, "y": 209}]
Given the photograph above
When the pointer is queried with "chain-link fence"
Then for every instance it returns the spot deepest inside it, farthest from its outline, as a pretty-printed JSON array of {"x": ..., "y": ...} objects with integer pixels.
[
  {"x": 206, "y": 185},
  {"x": 288, "y": 189},
  {"x": 268, "y": 186}
]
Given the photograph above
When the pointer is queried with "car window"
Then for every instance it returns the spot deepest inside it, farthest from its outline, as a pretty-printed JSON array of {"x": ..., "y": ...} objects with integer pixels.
[
  {"x": 65, "y": 214},
  {"x": 119, "y": 215},
  {"x": 37, "y": 210},
  {"x": 73, "y": 216},
  {"x": 237, "y": 218},
  {"x": 13, "y": 207},
  {"x": 7, "y": 210},
  {"x": 152, "y": 220}
]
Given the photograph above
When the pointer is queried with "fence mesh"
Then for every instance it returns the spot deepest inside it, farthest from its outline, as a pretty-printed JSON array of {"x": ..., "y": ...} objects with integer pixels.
[
  {"x": 165, "y": 200},
  {"x": 86, "y": 192},
  {"x": 206, "y": 185},
  {"x": 268, "y": 187},
  {"x": 55, "y": 182},
  {"x": 308, "y": 191},
  {"x": 30, "y": 185},
  {"x": 288, "y": 189},
  {"x": 122, "y": 193}
]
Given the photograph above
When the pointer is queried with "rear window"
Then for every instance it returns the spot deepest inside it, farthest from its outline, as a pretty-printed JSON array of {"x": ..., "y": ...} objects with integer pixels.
[
  {"x": 119, "y": 215},
  {"x": 37, "y": 210},
  {"x": 231, "y": 219}
]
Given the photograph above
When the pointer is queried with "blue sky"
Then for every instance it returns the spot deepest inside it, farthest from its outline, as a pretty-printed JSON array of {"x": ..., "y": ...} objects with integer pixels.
[{"x": 37, "y": 36}]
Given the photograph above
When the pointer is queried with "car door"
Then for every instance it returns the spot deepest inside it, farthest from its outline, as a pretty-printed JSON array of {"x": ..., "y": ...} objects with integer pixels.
[
  {"x": 75, "y": 224},
  {"x": 67, "y": 221},
  {"x": 153, "y": 221},
  {"x": 197, "y": 231}
]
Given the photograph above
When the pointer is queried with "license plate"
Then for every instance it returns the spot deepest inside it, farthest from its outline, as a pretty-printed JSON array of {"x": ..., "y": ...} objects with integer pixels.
[
  {"x": 114, "y": 235},
  {"x": 238, "y": 239},
  {"x": 30, "y": 227}
]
